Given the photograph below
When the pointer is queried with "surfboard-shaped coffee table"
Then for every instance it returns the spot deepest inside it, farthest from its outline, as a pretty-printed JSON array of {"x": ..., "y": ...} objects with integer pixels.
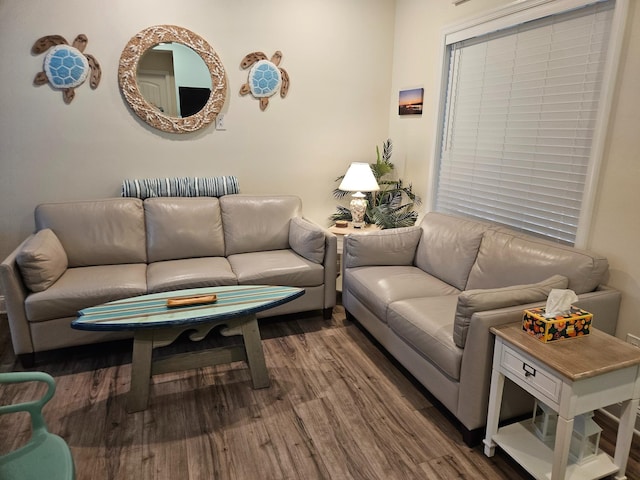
[{"x": 158, "y": 319}]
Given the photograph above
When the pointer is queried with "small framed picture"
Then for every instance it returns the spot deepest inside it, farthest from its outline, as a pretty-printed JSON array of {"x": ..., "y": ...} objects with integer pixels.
[{"x": 410, "y": 102}]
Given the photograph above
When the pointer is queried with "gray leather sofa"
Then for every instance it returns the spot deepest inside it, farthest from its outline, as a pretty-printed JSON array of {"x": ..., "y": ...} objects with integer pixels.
[
  {"x": 86, "y": 253},
  {"x": 430, "y": 293}
]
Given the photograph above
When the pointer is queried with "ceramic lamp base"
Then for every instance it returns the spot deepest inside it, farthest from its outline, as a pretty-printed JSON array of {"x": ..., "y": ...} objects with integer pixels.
[{"x": 358, "y": 207}]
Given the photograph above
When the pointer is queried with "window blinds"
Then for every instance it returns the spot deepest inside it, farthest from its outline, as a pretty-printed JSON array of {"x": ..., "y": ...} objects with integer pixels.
[{"x": 519, "y": 120}]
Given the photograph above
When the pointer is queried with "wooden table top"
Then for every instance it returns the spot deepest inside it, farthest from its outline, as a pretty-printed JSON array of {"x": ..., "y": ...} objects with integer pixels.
[
  {"x": 575, "y": 358},
  {"x": 369, "y": 227},
  {"x": 151, "y": 311}
]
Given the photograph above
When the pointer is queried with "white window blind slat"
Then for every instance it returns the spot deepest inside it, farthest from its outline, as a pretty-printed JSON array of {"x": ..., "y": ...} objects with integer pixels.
[
  {"x": 519, "y": 121},
  {"x": 514, "y": 185}
]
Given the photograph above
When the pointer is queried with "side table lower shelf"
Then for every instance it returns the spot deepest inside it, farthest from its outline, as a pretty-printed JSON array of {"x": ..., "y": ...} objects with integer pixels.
[{"x": 521, "y": 443}]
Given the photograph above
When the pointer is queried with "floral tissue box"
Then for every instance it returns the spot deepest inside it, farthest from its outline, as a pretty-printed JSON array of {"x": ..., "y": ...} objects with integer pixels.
[{"x": 574, "y": 324}]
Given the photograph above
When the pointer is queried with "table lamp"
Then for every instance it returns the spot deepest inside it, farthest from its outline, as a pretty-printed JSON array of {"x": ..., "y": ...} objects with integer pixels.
[{"x": 359, "y": 178}]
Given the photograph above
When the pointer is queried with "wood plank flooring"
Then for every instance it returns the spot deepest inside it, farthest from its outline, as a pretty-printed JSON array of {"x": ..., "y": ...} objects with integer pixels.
[{"x": 337, "y": 408}]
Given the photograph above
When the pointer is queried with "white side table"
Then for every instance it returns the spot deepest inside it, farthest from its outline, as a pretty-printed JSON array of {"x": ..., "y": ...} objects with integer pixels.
[
  {"x": 340, "y": 233},
  {"x": 572, "y": 377}
]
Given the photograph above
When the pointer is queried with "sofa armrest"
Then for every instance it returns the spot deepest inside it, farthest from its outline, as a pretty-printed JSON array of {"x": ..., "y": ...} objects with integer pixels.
[
  {"x": 318, "y": 245},
  {"x": 330, "y": 264},
  {"x": 477, "y": 359},
  {"x": 396, "y": 246},
  {"x": 472, "y": 301},
  {"x": 307, "y": 239},
  {"x": 15, "y": 294}
]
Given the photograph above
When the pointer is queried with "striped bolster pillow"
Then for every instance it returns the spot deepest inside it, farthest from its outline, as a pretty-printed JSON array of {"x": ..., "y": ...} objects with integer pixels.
[{"x": 180, "y": 187}]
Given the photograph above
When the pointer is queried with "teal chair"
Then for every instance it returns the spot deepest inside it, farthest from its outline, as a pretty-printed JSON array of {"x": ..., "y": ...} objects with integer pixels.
[{"x": 45, "y": 456}]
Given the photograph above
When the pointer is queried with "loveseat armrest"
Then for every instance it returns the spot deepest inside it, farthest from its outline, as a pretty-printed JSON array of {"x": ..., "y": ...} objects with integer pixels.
[
  {"x": 330, "y": 269},
  {"x": 477, "y": 358},
  {"x": 318, "y": 245},
  {"x": 395, "y": 246},
  {"x": 15, "y": 294}
]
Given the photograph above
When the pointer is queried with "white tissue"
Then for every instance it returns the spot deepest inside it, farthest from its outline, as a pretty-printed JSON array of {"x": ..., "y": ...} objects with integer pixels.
[{"x": 559, "y": 302}]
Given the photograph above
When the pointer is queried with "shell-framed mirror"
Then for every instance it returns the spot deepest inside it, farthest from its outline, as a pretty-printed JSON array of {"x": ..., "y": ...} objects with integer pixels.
[{"x": 147, "y": 101}]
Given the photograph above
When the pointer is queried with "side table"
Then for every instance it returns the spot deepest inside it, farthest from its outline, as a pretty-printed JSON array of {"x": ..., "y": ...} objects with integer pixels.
[
  {"x": 572, "y": 377},
  {"x": 340, "y": 233}
]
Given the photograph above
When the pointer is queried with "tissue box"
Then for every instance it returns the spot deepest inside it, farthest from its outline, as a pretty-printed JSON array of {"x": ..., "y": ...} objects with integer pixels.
[{"x": 574, "y": 324}]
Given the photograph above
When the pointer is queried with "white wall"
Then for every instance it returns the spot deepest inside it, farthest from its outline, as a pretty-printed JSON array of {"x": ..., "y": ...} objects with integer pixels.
[
  {"x": 615, "y": 225},
  {"x": 338, "y": 54},
  {"x": 347, "y": 60}
]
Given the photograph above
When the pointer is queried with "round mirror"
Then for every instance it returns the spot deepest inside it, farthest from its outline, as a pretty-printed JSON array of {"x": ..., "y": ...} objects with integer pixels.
[{"x": 172, "y": 79}]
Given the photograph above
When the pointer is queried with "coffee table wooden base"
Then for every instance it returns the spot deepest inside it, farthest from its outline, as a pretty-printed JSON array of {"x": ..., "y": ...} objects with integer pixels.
[{"x": 146, "y": 339}]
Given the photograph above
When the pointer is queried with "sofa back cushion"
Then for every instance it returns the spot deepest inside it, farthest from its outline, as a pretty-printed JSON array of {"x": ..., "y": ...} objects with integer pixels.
[
  {"x": 507, "y": 257},
  {"x": 254, "y": 223},
  {"x": 448, "y": 247},
  {"x": 97, "y": 232},
  {"x": 183, "y": 227}
]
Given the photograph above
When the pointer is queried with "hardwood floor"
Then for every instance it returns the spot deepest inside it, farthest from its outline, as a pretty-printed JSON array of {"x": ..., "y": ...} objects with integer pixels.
[{"x": 337, "y": 408}]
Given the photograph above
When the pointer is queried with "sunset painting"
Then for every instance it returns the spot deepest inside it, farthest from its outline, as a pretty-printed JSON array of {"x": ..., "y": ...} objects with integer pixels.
[{"x": 411, "y": 102}]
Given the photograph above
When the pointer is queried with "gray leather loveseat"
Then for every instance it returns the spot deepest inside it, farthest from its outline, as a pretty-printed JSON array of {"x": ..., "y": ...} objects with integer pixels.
[
  {"x": 86, "y": 253},
  {"x": 429, "y": 294}
]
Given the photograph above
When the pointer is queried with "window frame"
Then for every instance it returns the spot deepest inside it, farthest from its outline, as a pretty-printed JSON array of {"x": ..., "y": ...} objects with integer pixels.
[{"x": 509, "y": 16}]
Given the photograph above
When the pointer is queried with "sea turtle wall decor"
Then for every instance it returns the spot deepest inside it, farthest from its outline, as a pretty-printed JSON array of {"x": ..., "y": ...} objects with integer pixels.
[
  {"x": 265, "y": 77},
  {"x": 66, "y": 66}
]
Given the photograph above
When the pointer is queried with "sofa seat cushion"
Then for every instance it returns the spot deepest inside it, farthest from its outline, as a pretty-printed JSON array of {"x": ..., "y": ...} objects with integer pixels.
[
  {"x": 276, "y": 267},
  {"x": 426, "y": 324},
  {"x": 84, "y": 287},
  {"x": 378, "y": 286},
  {"x": 189, "y": 273}
]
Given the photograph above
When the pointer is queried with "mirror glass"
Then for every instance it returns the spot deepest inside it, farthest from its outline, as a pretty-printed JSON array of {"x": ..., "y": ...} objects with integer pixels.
[{"x": 172, "y": 79}]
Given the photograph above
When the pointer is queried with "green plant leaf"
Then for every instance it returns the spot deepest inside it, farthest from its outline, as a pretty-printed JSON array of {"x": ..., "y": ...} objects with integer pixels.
[
  {"x": 387, "y": 150},
  {"x": 343, "y": 213}
]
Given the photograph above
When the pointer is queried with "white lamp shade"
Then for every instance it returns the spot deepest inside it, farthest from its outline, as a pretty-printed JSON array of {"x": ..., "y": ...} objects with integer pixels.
[{"x": 359, "y": 178}]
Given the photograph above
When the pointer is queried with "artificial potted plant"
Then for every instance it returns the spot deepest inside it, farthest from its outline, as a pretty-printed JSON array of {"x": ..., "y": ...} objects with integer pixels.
[{"x": 390, "y": 207}]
